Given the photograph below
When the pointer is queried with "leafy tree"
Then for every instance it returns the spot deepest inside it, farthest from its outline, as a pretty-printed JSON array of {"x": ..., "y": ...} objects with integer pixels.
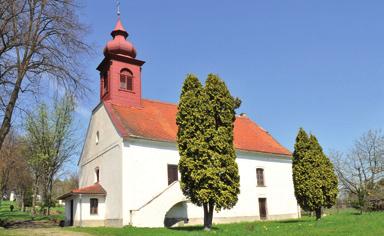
[
  {"x": 39, "y": 39},
  {"x": 362, "y": 169},
  {"x": 209, "y": 172},
  {"x": 51, "y": 142},
  {"x": 313, "y": 176}
]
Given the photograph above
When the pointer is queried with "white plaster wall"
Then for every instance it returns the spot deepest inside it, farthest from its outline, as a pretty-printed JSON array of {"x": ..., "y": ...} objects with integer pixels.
[
  {"x": 146, "y": 162},
  {"x": 107, "y": 156},
  {"x": 86, "y": 208},
  {"x": 108, "y": 135},
  {"x": 146, "y": 174},
  {"x": 81, "y": 212}
]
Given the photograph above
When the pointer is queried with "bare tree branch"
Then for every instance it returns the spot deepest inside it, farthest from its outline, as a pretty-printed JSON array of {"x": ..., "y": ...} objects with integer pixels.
[{"x": 38, "y": 39}]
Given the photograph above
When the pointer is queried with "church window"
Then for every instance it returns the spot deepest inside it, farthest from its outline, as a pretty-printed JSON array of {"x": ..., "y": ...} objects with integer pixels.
[
  {"x": 172, "y": 174},
  {"x": 260, "y": 177},
  {"x": 94, "y": 206},
  {"x": 126, "y": 80},
  {"x": 97, "y": 137},
  {"x": 97, "y": 174}
]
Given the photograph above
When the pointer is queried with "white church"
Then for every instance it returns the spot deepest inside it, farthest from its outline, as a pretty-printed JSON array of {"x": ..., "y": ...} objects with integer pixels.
[{"x": 128, "y": 166}]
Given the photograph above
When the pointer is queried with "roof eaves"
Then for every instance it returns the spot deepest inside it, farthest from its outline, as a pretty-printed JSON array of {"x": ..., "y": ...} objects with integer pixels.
[{"x": 237, "y": 149}]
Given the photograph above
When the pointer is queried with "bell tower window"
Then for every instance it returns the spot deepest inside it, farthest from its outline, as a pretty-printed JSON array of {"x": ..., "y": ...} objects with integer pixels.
[
  {"x": 126, "y": 80},
  {"x": 105, "y": 82}
]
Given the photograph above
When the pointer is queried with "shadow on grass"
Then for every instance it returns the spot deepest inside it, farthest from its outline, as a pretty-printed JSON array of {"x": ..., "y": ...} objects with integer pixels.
[
  {"x": 305, "y": 219},
  {"x": 356, "y": 213},
  {"x": 191, "y": 228},
  {"x": 289, "y": 221}
]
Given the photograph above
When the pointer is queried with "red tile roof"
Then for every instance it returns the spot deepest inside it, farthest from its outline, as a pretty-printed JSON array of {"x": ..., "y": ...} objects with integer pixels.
[
  {"x": 157, "y": 121},
  {"x": 92, "y": 189}
]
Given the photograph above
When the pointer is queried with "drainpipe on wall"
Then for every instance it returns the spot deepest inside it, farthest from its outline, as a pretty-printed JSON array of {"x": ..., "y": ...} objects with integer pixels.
[
  {"x": 130, "y": 217},
  {"x": 81, "y": 211}
]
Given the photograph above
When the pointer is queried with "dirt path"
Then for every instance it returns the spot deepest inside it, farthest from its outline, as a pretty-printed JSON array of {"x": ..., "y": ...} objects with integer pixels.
[{"x": 40, "y": 232}]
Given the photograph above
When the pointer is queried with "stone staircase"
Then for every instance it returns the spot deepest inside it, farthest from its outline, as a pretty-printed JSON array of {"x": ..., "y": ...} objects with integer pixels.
[{"x": 152, "y": 213}]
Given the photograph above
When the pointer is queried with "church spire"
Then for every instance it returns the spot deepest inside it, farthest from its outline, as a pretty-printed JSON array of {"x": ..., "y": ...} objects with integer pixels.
[
  {"x": 119, "y": 44},
  {"x": 120, "y": 71}
]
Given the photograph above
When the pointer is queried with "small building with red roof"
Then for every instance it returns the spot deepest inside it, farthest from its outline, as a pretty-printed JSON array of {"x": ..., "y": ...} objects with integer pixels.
[{"x": 128, "y": 166}]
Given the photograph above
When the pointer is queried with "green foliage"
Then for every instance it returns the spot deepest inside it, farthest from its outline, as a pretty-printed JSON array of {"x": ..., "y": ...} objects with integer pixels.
[
  {"x": 209, "y": 172},
  {"x": 50, "y": 141},
  {"x": 314, "y": 178}
]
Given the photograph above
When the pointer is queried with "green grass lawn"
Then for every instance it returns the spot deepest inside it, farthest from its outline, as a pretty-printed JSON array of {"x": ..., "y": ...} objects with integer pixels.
[
  {"x": 18, "y": 215},
  {"x": 344, "y": 223}
]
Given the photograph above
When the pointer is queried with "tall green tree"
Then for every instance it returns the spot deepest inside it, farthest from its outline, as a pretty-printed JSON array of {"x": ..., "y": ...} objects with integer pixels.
[
  {"x": 328, "y": 175},
  {"x": 314, "y": 179},
  {"x": 51, "y": 142},
  {"x": 209, "y": 172}
]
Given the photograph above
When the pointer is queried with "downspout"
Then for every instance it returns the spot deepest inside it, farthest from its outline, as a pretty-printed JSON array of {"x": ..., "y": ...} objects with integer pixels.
[{"x": 81, "y": 211}]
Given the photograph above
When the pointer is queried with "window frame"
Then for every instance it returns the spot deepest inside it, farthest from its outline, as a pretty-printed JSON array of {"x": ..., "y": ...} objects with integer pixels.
[
  {"x": 93, "y": 210},
  {"x": 97, "y": 174},
  {"x": 264, "y": 201},
  {"x": 260, "y": 178},
  {"x": 171, "y": 167},
  {"x": 105, "y": 82},
  {"x": 126, "y": 79},
  {"x": 97, "y": 137}
]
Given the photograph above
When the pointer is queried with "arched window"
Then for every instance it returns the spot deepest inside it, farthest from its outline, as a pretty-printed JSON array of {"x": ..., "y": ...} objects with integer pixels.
[{"x": 126, "y": 80}]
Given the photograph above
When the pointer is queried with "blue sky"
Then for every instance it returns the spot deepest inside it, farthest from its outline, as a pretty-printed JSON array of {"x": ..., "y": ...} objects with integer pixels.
[{"x": 312, "y": 64}]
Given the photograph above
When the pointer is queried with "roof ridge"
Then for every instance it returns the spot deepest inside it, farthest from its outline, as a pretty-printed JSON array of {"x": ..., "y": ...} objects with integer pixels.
[{"x": 158, "y": 101}]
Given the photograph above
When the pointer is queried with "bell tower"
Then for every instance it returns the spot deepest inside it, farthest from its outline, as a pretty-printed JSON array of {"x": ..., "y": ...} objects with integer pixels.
[{"x": 120, "y": 71}]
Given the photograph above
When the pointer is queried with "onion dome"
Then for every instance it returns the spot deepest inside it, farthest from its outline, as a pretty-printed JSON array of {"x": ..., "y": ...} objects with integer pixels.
[{"x": 119, "y": 44}]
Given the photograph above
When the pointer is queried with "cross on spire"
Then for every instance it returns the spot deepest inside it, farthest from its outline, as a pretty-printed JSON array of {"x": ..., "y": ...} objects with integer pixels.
[{"x": 118, "y": 8}]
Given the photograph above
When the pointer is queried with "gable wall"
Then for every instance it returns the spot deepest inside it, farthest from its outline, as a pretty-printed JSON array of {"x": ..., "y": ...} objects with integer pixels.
[{"x": 106, "y": 155}]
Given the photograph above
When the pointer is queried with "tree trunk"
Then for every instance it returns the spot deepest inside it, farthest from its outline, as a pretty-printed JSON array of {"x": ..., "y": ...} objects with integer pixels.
[
  {"x": 318, "y": 213},
  {"x": 34, "y": 195},
  {"x": 23, "y": 202},
  {"x": 205, "y": 206},
  {"x": 208, "y": 215},
  {"x": 6, "y": 124},
  {"x": 210, "y": 218}
]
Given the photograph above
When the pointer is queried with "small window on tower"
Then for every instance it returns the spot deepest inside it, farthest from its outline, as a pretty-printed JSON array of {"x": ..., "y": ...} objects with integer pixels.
[
  {"x": 126, "y": 80},
  {"x": 105, "y": 80}
]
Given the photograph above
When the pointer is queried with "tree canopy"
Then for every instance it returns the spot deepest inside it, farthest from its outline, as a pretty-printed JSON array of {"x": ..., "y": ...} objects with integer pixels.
[
  {"x": 205, "y": 119},
  {"x": 314, "y": 179}
]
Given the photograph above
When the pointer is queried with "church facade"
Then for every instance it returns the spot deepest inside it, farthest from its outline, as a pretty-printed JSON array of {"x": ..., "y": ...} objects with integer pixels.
[{"x": 128, "y": 166}]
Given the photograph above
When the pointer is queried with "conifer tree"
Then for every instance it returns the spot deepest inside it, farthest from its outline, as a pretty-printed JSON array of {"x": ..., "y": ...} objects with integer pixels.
[
  {"x": 209, "y": 172},
  {"x": 190, "y": 139},
  {"x": 313, "y": 176},
  {"x": 328, "y": 176}
]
